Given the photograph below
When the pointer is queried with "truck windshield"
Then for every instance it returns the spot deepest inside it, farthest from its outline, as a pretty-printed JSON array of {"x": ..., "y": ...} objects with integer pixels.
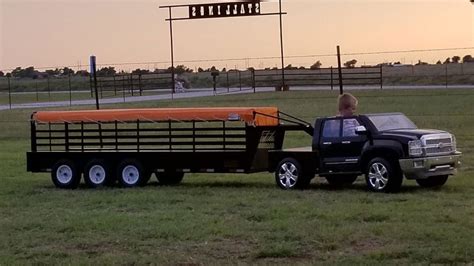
[{"x": 384, "y": 122}]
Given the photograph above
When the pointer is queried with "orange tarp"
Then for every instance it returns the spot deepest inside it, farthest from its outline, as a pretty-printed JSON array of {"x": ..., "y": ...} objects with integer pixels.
[{"x": 248, "y": 114}]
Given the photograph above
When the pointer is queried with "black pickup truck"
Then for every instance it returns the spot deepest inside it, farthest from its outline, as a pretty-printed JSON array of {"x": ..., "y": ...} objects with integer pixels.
[{"x": 383, "y": 147}]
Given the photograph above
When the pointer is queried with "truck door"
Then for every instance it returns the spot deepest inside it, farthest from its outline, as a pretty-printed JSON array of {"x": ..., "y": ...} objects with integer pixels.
[{"x": 340, "y": 146}]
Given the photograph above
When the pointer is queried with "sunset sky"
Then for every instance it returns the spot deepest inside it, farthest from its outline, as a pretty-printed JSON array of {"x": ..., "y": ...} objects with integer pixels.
[{"x": 56, "y": 33}]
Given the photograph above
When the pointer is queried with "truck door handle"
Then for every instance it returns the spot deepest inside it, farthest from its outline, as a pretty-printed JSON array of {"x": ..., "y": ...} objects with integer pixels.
[
  {"x": 346, "y": 142},
  {"x": 327, "y": 143}
]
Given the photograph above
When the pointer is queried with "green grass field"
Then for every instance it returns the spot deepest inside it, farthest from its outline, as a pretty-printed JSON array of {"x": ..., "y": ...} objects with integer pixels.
[{"x": 246, "y": 219}]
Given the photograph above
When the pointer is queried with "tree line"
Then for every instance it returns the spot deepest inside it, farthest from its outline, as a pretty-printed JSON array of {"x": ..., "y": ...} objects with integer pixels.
[{"x": 31, "y": 72}]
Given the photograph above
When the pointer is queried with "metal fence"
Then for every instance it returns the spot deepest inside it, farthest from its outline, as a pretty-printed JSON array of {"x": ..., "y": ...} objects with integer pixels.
[{"x": 74, "y": 88}]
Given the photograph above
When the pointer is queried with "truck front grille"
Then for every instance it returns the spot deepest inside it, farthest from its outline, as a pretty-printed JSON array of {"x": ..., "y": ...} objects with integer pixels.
[
  {"x": 438, "y": 144},
  {"x": 438, "y": 141}
]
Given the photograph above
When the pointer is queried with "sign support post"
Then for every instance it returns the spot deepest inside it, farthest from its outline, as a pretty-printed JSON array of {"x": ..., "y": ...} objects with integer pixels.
[
  {"x": 341, "y": 86},
  {"x": 173, "y": 85},
  {"x": 94, "y": 75},
  {"x": 281, "y": 49}
]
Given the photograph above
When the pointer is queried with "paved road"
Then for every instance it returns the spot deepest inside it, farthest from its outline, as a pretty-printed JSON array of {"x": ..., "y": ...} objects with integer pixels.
[
  {"x": 192, "y": 93},
  {"x": 188, "y": 94}
]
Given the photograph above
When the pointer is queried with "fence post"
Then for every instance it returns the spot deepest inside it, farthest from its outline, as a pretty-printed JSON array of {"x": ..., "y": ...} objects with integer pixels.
[
  {"x": 131, "y": 83},
  {"x": 36, "y": 89},
  {"x": 252, "y": 72},
  {"x": 49, "y": 90},
  {"x": 115, "y": 87},
  {"x": 341, "y": 86},
  {"x": 332, "y": 80},
  {"x": 91, "y": 86},
  {"x": 70, "y": 90},
  {"x": 140, "y": 83},
  {"x": 123, "y": 88},
  {"x": 446, "y": 76},
  {"x": 228, "y": 85},
  {"x": 240, "y": 80},
  {"x": 101, "y": 87},
  {"x": 381, "y": 76},
  {"x": 9, "y": 93}
]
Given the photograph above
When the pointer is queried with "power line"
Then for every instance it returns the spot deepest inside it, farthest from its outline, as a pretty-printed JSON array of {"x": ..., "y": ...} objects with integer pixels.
[{"x": 260, "y": 58}]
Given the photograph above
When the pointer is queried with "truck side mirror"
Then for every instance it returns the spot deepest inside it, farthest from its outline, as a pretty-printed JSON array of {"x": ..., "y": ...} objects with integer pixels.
[{"x": 361, "y": 130}]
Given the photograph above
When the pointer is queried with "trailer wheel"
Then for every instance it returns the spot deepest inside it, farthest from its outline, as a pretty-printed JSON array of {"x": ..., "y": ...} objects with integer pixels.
[
  {"x": 289, "y": 175},
  {"x": 131, "y": 173},
  {"x": 169, "y": 178},
  {"x": 64, "y": 174},
  {"x": 97, "y": 173}
]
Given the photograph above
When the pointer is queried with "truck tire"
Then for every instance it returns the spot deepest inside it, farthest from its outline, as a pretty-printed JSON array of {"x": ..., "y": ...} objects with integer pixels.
[
  {"x": 383, "y": 176},
  {"x": 97, "y": 173},
  {"x": 169, "y": 178},
  {"x": 131, "y": 173},
  {"x": 433, "y": 181},
  {"x": 341, "y": 180},
  {"x": 289, "y": 175},
  {"x": 64, "y": 174}
]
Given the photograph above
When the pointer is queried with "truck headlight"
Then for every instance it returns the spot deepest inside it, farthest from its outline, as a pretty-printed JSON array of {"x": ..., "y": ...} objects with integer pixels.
[{"x": 415, "y": 147}]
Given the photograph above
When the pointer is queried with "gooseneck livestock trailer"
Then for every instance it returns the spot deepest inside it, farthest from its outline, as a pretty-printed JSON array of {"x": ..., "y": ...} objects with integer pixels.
[{"x": 128, "y": 145}]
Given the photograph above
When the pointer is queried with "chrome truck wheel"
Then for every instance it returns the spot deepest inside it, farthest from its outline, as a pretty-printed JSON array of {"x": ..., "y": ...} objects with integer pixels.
[
  {"x": 289, "y": 175},
  {"x": 381, "y": 175}
]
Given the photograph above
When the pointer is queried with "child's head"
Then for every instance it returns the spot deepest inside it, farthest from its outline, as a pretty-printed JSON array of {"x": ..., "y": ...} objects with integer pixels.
[{"x": 347, "y": 104}]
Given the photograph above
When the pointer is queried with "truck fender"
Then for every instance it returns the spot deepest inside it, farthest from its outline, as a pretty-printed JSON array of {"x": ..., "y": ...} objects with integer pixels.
[{"x": 388, "y": 149}]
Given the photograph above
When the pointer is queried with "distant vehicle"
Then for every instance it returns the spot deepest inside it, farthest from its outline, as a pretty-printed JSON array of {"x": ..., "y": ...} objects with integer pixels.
[{"x": 128, "y": 145}]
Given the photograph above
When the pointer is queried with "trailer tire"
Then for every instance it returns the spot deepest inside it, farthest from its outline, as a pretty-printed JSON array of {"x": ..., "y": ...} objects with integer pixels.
[
  {"x": 289, "y": 175},
  {"x": 97, "y": 173},
  {"x": 131, "y": 173},
  {"x": 64, "y": 174},
  {"x": 169, "y": 178}
]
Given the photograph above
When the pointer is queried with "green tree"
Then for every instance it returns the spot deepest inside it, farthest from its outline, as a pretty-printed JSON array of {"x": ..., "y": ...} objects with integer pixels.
[
  {"x": 456, "y": 59},
  {"x": 447, "y": 61},
  {"x": 67, "y": 71},
  {"x": 421, "y": 63},
  {"x": 350, "y": 63},
  {"x": 316, "y": 65},
  {"x": 181, "y": 69},
  {"x": 468, "y": 59},
  {"x": 140, "y": 71},
  {"x": 28, "y": 72},
  {"x": 53, "y": 72},
  {"x": 106, "y": 71},
  {"x": 82, "y": 73},
  {"x": 2, "y": 74}
]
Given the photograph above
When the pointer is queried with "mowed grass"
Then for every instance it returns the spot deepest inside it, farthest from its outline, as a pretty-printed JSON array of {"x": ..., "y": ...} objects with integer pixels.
[{"x": 223, "y": 219}]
